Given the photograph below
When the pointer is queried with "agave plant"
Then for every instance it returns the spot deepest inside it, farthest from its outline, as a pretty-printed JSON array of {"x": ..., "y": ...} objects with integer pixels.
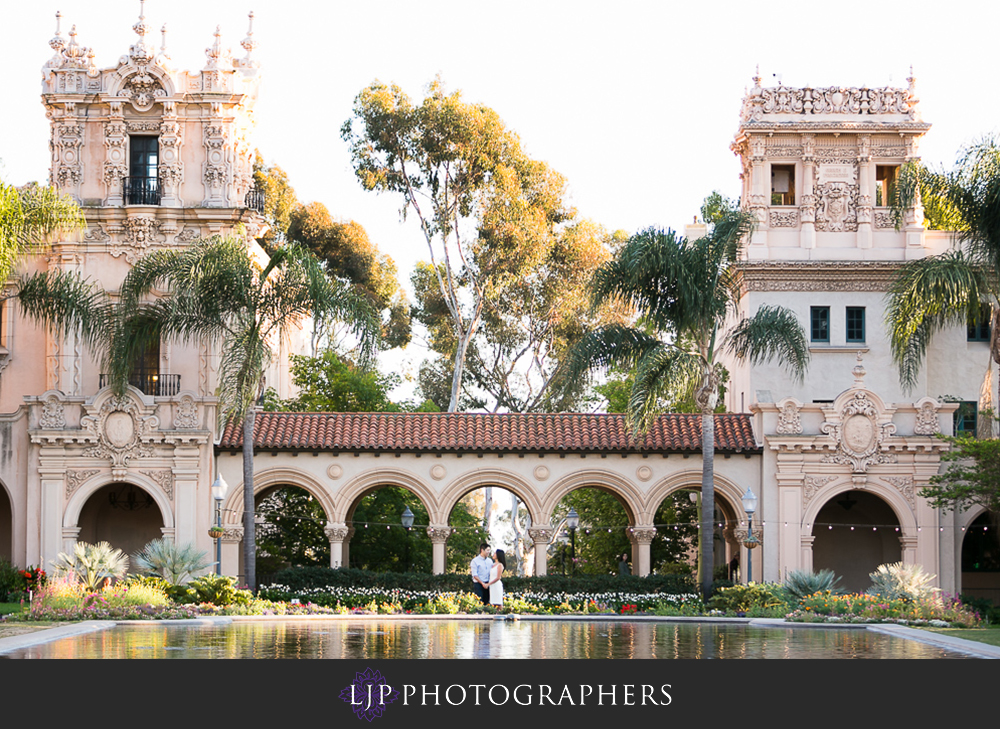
[
  {"x": 174, "y": 563},
  {"x": 802, "y": 583},
  {"x": 898, "y": 581},
  {"x": 92, "y": 564}
]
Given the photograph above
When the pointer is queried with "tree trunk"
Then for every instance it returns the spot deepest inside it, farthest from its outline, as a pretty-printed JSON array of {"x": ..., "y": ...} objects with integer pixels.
[
  {"x": 706, "y": 532},
  {"x": 249, "y": 536}
]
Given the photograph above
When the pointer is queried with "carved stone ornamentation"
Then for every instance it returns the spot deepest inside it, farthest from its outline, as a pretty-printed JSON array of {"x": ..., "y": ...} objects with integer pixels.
[
  {"x": 233, "y": 534},
  {"x": 927, "y": 420},
  {"x": 119, "y": 428},
  {"x": 75, "y": 479},
  {"x": 644, "y": 535},
  {"x": 812, "y": 486},
  {"x": 541, "y": 535},
  {"x": 186, "y": 414},
  {"x": 438, "y": 472},
  {"x": 140, "y": 233},
  {"x": 837, "y": 208},
  {"x": 859, "y": 435},
  {"x": 741, "y": 535},
  {"x": 164, "y": 479},
  {"x": 784, "y": 218},
  {"x": 53, "y": 414},
  {"x": 761, "y": 101},
  {"x": 644, "y": 473},
  {"x": 336, "y": 532},
  {"x": 439, "y": 535},
  {"x": 884, "y": 219},
  {"x": 789, "y": 421},
  {"x": 187, "y": 235},
  {"x": 904, "y": 484},
  {"x": 541, "y": 472},
  {"x": 96, "y": 234}
]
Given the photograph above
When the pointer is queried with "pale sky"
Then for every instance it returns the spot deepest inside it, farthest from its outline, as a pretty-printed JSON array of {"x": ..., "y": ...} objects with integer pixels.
[{"x": 636, "y": 102}]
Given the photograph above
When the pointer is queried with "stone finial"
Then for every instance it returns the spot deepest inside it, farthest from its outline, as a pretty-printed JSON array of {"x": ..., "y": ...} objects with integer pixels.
[
  {"x": 859, "y": 373},
  {"x": 57, "y": 41},
  {"x": 140, "y": 52},
  {"x": 250, "y": 45},
  {"x": 216, "y": 54},
  {"x": 163, "y": 57}
]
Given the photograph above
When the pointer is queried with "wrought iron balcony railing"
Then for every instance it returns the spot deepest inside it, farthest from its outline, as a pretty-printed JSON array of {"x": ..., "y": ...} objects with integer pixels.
[
  {"x": 255, "y": 200},
  {"x": 151, "y": 383},
  {"x": 141, "y": 190}
]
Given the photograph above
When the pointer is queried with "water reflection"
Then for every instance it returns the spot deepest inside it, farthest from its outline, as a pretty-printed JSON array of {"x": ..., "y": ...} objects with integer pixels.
[{"x": 416, "y": 639}]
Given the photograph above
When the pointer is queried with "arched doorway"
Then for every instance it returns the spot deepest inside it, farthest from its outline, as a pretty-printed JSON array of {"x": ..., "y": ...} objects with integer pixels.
[
  {"x": 981, "y": 560},
  {"x": 379, "y": 541},
  {"x": 122, "y": 514},
  {"x": 601, "y": 537},
  {"x": 6, "y": 527},
  {"x": 855, "y": 532},
  {"x": 289, "y": 530}
]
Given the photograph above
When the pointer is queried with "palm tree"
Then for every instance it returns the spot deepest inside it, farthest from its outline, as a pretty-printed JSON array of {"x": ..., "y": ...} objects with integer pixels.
[
  {"x": 962, "y": 285},
  {"x": 684, "y": 292},
  {"x": 217, "y": 291},
  {"x": 28, "y": 215}
]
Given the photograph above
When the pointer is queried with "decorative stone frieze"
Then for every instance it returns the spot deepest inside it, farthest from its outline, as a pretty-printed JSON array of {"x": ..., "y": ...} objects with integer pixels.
[
  {"x": 75, "y": 479},
  {"x": 858, "y": 427},
  {"x": 232, "y": 534},
  {"x": 807, "y": 102},
  {"x": 140, "y": 233},
  {"x": 186, "y": 414},
  {"x": 789, "y": 421},
  {"x": 927, "y": 418},
  {"x": 903, "y": 484},
  {"x": 164, "y": 478},
  {"x": 818, "y": 275},
  {"x": 53, "y": 413},
  {"x": 812, "y": 485},
  {"x": 784, "y": 218}
]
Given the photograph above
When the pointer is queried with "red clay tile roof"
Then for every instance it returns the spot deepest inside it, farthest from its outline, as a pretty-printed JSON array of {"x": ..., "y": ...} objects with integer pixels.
[{"x": 477, "y": 432}]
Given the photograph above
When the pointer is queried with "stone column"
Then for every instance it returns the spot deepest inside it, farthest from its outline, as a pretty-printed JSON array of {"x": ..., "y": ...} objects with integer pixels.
[
  {"x": 760, "y": 185},
  {"x": 232, "y": 537},
  {"x": 336, "y": 533},
  {"x": 908, "y": 544},
  {"x": 807, "y": 203},
  {"x": 806, "y": 542},
  {"x": 541, "y": 538},
  {"x": 171, "y": 169},
  {"x": 345, "y": 549},
  {"x": 865, "y": 177},
  {"x": 115, "y": 155},
  {"x": 642, "y": 537},
  {"x": 439, "y": 542}
]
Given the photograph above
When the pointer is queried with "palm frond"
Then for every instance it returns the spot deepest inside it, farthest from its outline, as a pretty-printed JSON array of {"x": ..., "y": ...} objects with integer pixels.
[
  {"x": 663, "y": 372},
  {"x": 772, "y": 333},
  {"x": 614, "y": 345},
  {"x": 929, "y": 294},
  {"x": 66, "y": 302},
  {"x": 28, "y": 216}
]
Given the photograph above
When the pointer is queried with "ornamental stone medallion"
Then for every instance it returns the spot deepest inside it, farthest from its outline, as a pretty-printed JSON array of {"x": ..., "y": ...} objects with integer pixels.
[
  {"x": 119, "y": 426},
  {"x": 858, "y": 425}
]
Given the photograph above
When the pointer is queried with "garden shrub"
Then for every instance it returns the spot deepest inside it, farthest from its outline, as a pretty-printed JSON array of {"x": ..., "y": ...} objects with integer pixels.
[
  {"x": 755, "y": 597},
  {"x": 802, "y": 583},
  {"x": 218, "y": 590},
  {"x": 11, "y": 582},
  {"x": 901, "y": 581}
]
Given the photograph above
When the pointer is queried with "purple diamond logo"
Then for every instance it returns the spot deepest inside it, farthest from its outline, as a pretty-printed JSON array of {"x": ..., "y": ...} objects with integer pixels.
[{"x": 369, "y": 694}]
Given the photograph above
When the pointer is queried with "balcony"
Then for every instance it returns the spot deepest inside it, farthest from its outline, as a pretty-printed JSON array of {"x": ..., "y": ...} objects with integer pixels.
[
  {"x": 255, "y": 200},
  {"x": 141, "y": 190},
  {"x": 151, "y": 383}
]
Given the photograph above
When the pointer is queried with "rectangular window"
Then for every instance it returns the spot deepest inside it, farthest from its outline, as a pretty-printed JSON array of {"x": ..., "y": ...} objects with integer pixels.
[
  {"x": 964, "y": 419},
  {"x": 855, "y": 323},
  {"x": 979, "y": 328},
  {"x": 142, "y": 186},
  {"x": 885, "y": 184},
  {"x": 782, "y": 184},
  {"x": 819, "y": 321}
]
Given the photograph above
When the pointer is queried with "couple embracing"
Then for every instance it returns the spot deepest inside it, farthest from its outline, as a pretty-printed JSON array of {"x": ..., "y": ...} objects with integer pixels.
[{"x": 487, "y": 569}]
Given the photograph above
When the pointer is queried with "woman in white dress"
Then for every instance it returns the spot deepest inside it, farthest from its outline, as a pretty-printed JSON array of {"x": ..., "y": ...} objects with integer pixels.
[{"x": 496, "y": 586}]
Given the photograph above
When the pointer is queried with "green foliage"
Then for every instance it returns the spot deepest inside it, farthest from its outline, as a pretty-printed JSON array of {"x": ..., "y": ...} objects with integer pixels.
[
  {"x": 218, "y": 590},
  {"x": 899, "y": 581},
  {"x": 291, "y": 530},
  {"x": 91, "y": 564},
  {"x": 757, "y": 596},
  {"x": 973, "y": 476},
  {"x": 28, "y": 216},
  {"x": 173, "y": 562},
  {"x": 329, "y": 383},
  {"x": 279, "y": 200},
  {"x": 801, "y": 583}
]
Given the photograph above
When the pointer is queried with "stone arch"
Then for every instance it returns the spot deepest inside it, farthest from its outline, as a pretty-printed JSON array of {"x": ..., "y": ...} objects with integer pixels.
[
  {"x": 271, "y": 477},
  {"x": 904, "y": 514},
  {"x": 71, "y": 512},
  {"x": 975, "y": 578},
  {"x": 90, "y": 520},
  {"x": 347, "y": 497},
  {"x": 725, "y": 488},
  {"x": 488, "y": 477},
  {"x": 628, "y": 495},
  {"x": 846, "y": 544},
  {"x": 121, "y": 77}
]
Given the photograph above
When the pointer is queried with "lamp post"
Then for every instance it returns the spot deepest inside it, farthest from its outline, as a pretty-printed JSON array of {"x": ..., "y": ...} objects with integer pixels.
[
  {"x": 750, "y": 506},
  {"x": 572, "y": 521},
  {"x": 407, "y": 520},
  {"x": 219, "y": 489}
]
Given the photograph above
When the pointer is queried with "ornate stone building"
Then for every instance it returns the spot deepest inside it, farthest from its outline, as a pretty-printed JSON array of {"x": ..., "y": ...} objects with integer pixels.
[{"x": 157, "y": 157}]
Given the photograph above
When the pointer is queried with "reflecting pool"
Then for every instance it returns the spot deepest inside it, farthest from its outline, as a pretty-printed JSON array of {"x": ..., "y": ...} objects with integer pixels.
[{"x": 381, "y": 638}]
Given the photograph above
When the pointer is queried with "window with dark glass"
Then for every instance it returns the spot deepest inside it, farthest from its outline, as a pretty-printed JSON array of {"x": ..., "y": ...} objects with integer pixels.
[
  {"x": 855, "y": 323},
  {"x": 142, "y": 184},
  {"x": 979, "y": 328},
  {"x": 885, "y": 184},
  {"x": 819, "y": 323},
  {"x": 964, "y": 419}
]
